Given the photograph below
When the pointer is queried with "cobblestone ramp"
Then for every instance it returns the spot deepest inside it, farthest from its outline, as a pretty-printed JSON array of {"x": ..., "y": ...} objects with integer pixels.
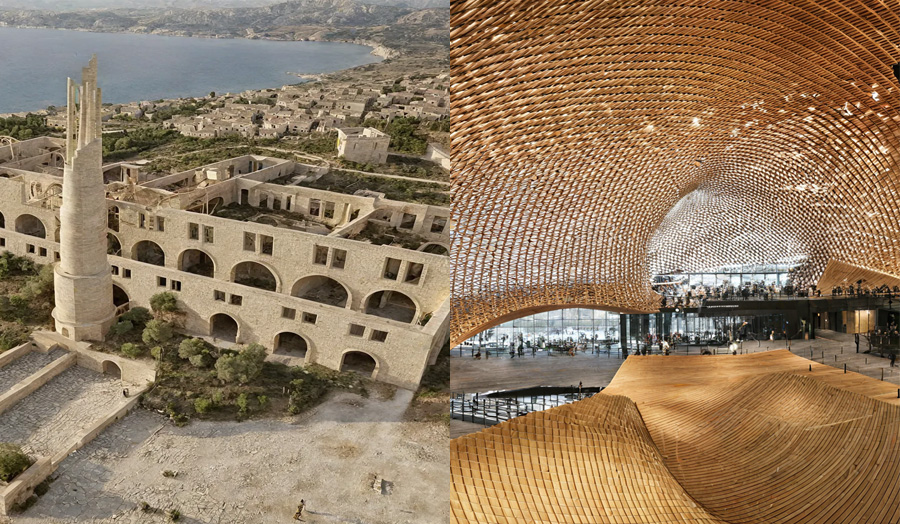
[
  {"x": 25, "y": 366},
  {"x": 45, "y": 421},
  {"x": 588, "y": 462}
]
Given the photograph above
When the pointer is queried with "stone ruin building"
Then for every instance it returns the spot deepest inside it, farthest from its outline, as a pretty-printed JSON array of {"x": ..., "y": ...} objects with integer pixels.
[{"x": 346, "y": 281}]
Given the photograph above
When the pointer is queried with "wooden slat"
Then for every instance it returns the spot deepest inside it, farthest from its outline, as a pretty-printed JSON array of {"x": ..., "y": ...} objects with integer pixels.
[{"x": 598, "y": 142}]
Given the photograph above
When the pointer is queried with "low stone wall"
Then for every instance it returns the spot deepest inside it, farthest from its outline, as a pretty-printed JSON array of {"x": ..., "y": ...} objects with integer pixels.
[
  {"x": 8, "y": 356},
  {"x": 22, "y": 487},
  {"x": 18, "y": 491},
  {"x": 136, "y": 372},
  {"x": 38, "y": 379}
]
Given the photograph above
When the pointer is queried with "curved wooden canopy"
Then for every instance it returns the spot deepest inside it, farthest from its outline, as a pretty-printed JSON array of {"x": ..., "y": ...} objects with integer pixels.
[{"x": 598, "y": 142}]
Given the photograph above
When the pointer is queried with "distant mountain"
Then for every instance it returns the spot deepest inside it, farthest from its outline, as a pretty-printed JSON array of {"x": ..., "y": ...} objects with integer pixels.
[
  {"x": 396, "y": 27},
  {"x": 213, "y": 21},
  {"x": 414, "y": 4},
  {"x": 75, "y": 5}
]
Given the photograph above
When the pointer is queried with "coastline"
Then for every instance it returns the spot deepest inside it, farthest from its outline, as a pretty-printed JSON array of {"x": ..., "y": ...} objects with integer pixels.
[{"x": 377, "y": 49}]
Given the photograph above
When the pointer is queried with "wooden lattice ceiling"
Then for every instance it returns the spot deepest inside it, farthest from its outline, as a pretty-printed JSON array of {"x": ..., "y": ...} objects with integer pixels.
[{"x": 597, "y": 142}]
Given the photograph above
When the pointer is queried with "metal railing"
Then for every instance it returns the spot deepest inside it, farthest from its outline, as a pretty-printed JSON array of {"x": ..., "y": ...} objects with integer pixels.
[{"x": 487, "y": 411}]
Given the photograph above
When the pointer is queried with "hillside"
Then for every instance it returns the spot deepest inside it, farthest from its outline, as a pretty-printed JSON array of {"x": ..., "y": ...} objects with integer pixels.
[{"x": 400, "y": 28}]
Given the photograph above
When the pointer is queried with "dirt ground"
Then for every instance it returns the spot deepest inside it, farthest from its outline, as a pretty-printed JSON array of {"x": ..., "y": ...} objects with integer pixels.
[{"x": 334, "y": 457}]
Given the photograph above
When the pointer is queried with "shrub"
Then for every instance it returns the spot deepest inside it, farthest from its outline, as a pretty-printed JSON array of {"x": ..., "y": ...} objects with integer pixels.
[
  {"x": 14, "y": 307},
  {"x": 202, "y": 405},
  {"x": 39, "y": 286},
  {"x": 138, "y": 316},
  {"x": 13, "y": 336},
  {"x": 305, "y": 392},
  {"x": 241, "y": 367},
  {"x": 156, "y": 352},
  {"x": 157, "y": 331},
  {"x": 131, "y": 350},
  {"x": 174, "y": 515},
  {"x": 190, "y": 347},
  {"x": 243, "y": 402},
  {"x": 263, "y": 401},
  {"x": 164, "y": 302},
  {"x": 201, "y": 360},
  {"x": 122, "y": 327},
  {"x": 12, "y": 461}
]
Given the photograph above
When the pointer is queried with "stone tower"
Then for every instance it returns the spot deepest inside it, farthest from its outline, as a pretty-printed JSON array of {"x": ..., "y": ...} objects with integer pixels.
[{"x": 83, "y": 283}]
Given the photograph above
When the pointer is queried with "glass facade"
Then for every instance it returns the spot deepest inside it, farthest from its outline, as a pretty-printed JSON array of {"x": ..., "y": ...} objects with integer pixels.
[
  {"x": 737, "y": 275},
  {"x": 587, "y": 328},
  {"x": 593, "y": 330},
  {"x": 707, "y": 330}
]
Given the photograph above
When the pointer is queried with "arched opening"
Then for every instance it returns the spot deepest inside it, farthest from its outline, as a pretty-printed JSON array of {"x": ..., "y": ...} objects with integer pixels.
[
  {"x": 56, "y": 235},
  {"x": 321, "y": 289},
  {"x": 2, "y": 221},
  {"x": 197, "y": 262},
  {"x": 148, "y": 252},
  {"x": 290, "y": 344},
  {"x": 435, "y": 249},
  {"x": 113, "y": 246},
  {"x": 254, "y": 274},
  {"x": 359, "y": 362},
  {"x": 224, "y": 327},
  {"x": 120, "y": 297},
  {"x": 214, "y": 205},
  {"x": 393, "y": 305},
  {"x": 30, "y": 225},
  {"x": 112, "y": 218},
  {"x": 112, "y": 369}
]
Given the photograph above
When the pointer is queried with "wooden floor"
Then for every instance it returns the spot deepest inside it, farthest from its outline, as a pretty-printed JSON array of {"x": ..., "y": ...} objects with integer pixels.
[{"x": 752, "y": 438}]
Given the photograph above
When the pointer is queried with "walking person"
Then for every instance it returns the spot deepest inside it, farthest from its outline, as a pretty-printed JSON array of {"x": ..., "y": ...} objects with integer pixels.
[
  {"x": 893, "y": 358},
  {"x": 299, "y": 514},
  {"x": 856, "y": 338}
]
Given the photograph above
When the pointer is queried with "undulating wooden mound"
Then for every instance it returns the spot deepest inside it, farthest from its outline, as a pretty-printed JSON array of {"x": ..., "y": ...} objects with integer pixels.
[
  {"x": 585, "y": 463},
  {"x": 782, "y": 448},
  {"x": 737, "y": 439},
  {"x": 760, "y": 438}
]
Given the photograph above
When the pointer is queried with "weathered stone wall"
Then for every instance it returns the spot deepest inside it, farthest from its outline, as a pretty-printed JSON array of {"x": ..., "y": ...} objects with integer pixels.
[{"x": 403, "y": 355}]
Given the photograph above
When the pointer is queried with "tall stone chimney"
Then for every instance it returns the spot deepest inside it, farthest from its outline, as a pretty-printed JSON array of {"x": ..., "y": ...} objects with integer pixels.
[{"x": 83, "y": 283}]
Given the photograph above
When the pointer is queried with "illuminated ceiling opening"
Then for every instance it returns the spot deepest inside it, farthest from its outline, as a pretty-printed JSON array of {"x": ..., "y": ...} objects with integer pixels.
[{"x": 597, "y": 143}]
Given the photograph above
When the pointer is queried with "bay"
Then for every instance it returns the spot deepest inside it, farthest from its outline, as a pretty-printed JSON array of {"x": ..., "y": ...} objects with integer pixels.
[{"x": 34, "y": 65}]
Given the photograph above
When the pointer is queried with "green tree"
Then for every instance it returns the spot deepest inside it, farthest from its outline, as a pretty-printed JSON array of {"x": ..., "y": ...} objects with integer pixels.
[
  {"x": 157, "y": 331},
  {"x": 164, "y": 302},
  {"x": 122, "y": 327},
  {"x": 241, "y": 367},
  {"x": 138, "y": 316},
  {"x": 190, "y": 347}
]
